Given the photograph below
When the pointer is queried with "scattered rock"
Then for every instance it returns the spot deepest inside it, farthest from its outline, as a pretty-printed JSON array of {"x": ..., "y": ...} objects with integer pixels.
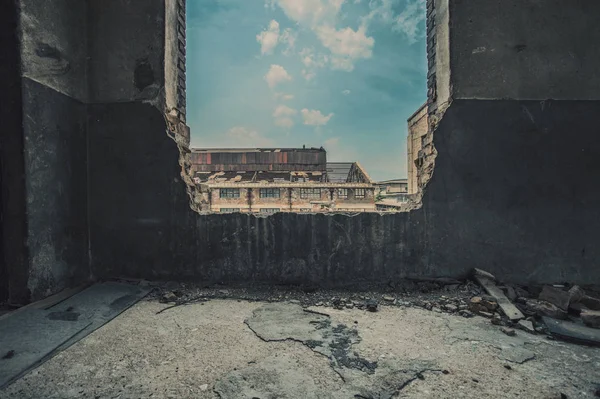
[
  {"x": 371, "y": 305},
  {"x": 450, "y": 308},
  {"x": 465, "y": 313},
  {"x": 591, "y": 318},
  {"x": 203, "y": 387},
  {"x": 479, "y": 304},
  {"x": 526, "y": 325},
  {"x": 168, "y": 296},
  {"x": 555, "y": 296},
  {"x": 388, "y": 298},
  {"x": 543, "y": 308},
  {"x": 508, "y": 331},
  {"x": 496, "y": 320},
  {"x": 436, "y": 310},
  {"x": 506, "y": 366},
  {"x": 575, "y": 294},
  {"x": 223, "y": 292},
  {"x": 486, "y": 314}
]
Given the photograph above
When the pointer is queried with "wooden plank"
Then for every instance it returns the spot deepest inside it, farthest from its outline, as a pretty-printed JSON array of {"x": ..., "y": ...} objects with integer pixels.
[{"x": 504, "y": 303}]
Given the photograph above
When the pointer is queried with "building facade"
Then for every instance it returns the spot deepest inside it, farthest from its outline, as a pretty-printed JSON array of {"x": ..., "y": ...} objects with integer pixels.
[
  {"x": 417, "y": 141},
  {"x": 268, "y": 181}
]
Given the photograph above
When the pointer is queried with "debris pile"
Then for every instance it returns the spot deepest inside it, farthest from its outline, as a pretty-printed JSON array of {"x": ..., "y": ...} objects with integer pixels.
[{"x": 563, "y": 311}]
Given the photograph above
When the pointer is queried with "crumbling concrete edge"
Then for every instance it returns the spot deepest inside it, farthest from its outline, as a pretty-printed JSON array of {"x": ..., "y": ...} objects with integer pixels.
[{"x": 426, "y": 169}]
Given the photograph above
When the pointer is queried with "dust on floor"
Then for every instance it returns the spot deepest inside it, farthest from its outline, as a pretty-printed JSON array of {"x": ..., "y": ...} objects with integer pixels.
[{"x": 237, "y": 349}]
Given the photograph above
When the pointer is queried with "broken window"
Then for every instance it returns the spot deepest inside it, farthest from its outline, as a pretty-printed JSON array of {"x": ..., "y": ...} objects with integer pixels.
[
  {"x": 359, "y": 193},
  {"x": 229, "y": 210},
  {"x": 342, "y": 193},
  {"x": 310, "y": 193},
  {"x": 270, "y": 193},
  {"x": 229, "y": 193}
]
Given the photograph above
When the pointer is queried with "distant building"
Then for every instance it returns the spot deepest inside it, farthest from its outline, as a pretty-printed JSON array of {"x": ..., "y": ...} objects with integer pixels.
[
  {"x": 392, "y": 190},
  {"x": 264, "y": 180},
  {"x": 416, "y": 141}
]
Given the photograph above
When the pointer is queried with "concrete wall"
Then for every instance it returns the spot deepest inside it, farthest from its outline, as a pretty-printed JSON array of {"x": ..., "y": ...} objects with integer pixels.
[
  {"x": 509, "y": 193},
  {"x": 53, "y": 62},
  {"x": 417, "y": 128},
  {"x": 525, "y": 49}
]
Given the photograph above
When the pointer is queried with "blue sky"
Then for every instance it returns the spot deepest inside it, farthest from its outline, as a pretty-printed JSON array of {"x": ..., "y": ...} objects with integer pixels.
[{"x": 342, "y": 74}]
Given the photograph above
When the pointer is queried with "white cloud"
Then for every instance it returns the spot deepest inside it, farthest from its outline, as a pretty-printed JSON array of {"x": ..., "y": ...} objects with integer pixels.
[
  {"x": 308, "y": 75},
  {"x": 346, "y": 92},
  {"x": 284, "y": 97},
  {"x": 409, "y": 19},
  {"x": 240, "y": 136},
  {"x": 284, "y": 110},
  {"x": 276, "y": 75},
  {"x": 282, "y": 115},
  {"x": 269, "y": 38},
  {"x": 288, "y": 37},
  {"x": 310, "y": 59},
  {"x": 346, "y": 45},
  {"x": 309, "y": 12},
  {"x": 314, "y": 117},
  {"x": 284, "y": 122},
  {"x": 407, "y": 22}
]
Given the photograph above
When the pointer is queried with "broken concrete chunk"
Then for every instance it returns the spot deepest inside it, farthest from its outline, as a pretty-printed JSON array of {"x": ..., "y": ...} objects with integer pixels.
[
  {"x": 590, "y": 302},
  {"x": 575, "y": 294},
  {"x": 527, "y": 326},
  {"x": 371, "y": 305},
  {"x": 486, "y": 314},
  {"x": 543, "y": 308},
  {"x": 168, "y": 297},
  {"x": 508, "y": 331},
  {"x": 510, "y": 293},
  {"x": 555, "y": 296},
  {"x": 573, "y": 332},
  {"x": 591, "y": 318},
  {"x": 465, "y": 313}
]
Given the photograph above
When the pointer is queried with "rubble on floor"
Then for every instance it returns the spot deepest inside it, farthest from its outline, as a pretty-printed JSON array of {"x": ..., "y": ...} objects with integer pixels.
[{"x": 506, "y": 305}]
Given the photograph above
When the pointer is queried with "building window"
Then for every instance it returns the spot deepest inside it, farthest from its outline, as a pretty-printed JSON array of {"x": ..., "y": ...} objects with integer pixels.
[
  {"x": 310, "y": 193},
  {"x": 229, "y": 210},
  {"x": 305, "y": 210},
  {"x": 229, "y": 193},
  {"x": 270, "y": 210},
  {"x": 359, "y": 193},
  {"x": 342, "y": 193},
  {"x": 270, "y": 193}
]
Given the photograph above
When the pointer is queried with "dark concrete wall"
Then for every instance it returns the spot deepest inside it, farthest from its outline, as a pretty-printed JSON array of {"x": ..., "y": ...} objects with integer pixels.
[
  {"x": 56, "y": 168},
  {"x": 13, "y": 259},
  {"x": 525, "y": 49},
  {"x": 126, "y": 50},
  {"x": 509, "y": 194},
  {"x": 53, "y": 87}
]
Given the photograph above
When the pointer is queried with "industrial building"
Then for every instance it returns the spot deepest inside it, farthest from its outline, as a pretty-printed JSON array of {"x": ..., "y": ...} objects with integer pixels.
[{"x": 271, "y": 180}]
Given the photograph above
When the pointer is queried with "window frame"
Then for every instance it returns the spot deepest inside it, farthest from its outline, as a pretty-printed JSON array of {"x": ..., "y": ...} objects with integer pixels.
[
  {"x": 235, "y": 193},
  {"x": 305, "y": 194},
  {"x": 360, "y": 196},
  {"x": 263, "y": 190},
  {"x": 339, "y": 191},
  {"x": 229, "y": 210}
]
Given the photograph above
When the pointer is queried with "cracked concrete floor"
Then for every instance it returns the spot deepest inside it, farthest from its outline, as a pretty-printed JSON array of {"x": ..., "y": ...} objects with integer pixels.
[{"x": 242, "y": 350}]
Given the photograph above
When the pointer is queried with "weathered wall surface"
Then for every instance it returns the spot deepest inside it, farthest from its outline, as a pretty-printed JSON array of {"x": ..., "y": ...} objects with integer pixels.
[
  {"x": 126, "y": 50},
  {"x": 510, "y": 192},
  {"x": 525, "y": 49},
  {"x": 54, "y": 44},
  {"x": 55, "y": 143},
  {"x": 508, "y": 195}
]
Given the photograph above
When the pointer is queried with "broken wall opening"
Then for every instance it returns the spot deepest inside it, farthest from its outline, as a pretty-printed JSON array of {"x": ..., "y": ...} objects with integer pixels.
[{"x": 221, "y": 190}]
